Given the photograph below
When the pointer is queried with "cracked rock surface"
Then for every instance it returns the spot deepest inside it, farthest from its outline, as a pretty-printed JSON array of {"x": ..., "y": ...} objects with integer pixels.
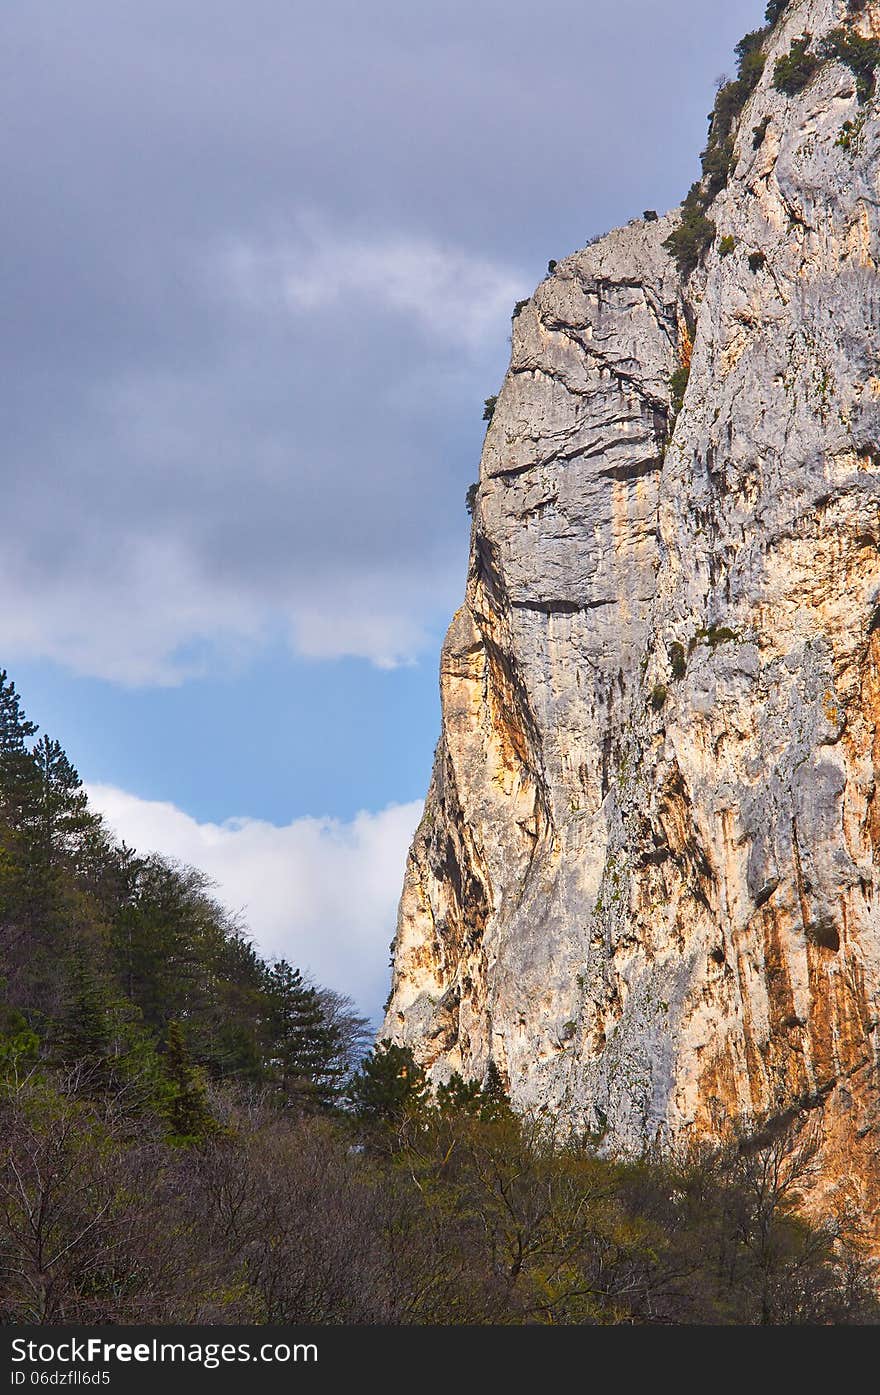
[{"x": 645, "y": 882}]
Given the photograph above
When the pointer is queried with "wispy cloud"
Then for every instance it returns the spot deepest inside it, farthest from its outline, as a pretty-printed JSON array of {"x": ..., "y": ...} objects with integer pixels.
[
  {"x": 447, "y": 291},
  {"x": 319, "y": 891}
]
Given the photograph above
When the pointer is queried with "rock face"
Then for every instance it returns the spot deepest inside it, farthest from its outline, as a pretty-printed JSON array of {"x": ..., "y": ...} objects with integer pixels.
[{"x": 646, "y": 879}]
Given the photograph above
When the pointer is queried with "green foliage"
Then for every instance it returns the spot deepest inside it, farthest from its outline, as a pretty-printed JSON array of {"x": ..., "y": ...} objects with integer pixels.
[
  {"x": 726, "y": 245},
  {"x": 103, "y": 951},
  {"x": 389, "y": 1087},
  {"x": 861, "y": 56},
  {"x": 307, "y": 1055},
  {"x": 650, "y": 215},
  {"x": 489, "y": 407},
  {"x": 494, "y": 1100},
  {"x": 774, "y": 10},
  {"x": 470, "y": 499},
  {"x": 693, "y": 235},
  {"x": 551, "y": 266},
  {"x": 794, "y": 70},
  {"x": 658, "y": 696},
  {"x": 677, "y": 660},
  {"x": 718, "y": 634},
  {"x": 756, "y": 261},
  {"x": 185, "y": 1100},
  {"x": 678, "y": 382},
  {"x": 519, "y": 307},
  {"x": 19, "y": 1045},
  {"x": 850, "y": 137}
]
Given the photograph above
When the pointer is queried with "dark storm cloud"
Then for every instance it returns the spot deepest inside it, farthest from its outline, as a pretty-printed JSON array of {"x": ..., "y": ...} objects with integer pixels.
[{"x": 257, "y": 268}]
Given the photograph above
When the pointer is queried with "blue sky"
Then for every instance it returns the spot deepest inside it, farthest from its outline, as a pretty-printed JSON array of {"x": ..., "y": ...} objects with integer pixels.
[{"x": 257, "y": 283}]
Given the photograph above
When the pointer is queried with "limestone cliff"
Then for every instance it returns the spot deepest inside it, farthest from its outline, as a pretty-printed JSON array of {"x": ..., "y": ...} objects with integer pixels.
[{"x": 646, "y": 878}]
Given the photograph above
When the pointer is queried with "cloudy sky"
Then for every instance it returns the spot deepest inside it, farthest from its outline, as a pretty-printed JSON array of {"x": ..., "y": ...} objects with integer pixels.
[{"x": 258, "y": 262}]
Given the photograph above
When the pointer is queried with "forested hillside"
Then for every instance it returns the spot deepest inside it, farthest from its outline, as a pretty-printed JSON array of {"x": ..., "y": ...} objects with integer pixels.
[{"x": 186, "y": 1135}]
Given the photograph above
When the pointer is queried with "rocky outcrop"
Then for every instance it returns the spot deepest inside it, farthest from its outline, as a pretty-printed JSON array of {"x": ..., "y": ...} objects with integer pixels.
[{"x": 645, "y": 883}]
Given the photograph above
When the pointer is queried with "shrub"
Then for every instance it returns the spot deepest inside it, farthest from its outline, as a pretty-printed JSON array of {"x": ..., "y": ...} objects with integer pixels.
[
  {"x": 861, "y": 56},
  {"x": 678, "y": 386},
  {"x": 650, "y": 215},
  {"x": 726, "y": 245},
  {"x": 774, "y": 9},
  {"x": 795, "y": 69},
  {"x": 470, "y": 499},
  {"x": 694, "y": 234},
  {"x": 756, "y": 261},
  {"x": 751, "y": 58},
  {"x": 849, "y": 138},
  {"x": 658, "y": 696},
  {"x": 677, "y": 660},
  {"x": 489, "y": 407},
  {"x": 759, "y": 132},
  {"x": 551, "y": 266},
  {"x": 713, "y": 635},
  {"x": 519, "y": 307}
]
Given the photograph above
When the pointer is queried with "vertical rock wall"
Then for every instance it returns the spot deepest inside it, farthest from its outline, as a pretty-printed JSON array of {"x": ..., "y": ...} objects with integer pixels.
[{"x": 645, "y": 880}]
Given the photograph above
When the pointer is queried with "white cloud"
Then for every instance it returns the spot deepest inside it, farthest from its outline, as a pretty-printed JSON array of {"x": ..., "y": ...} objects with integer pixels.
[
  {"x": 134, "y": 625},
  {"x": 321, "y": 892},
  {"x": 451, "y": 294}
]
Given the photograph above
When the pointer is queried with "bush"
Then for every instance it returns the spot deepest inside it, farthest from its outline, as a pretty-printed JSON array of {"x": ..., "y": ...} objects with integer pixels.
[
  {"x": 694, "y": 235},
  {"x": 470, "y": 499},
  {"x": 650, "y": 215},
  {"x": 551, "y": 266},
  {"x": 726, "y": 245},
  {"x": 756, "y": 261},
  {"x": 658, "y": 696},
  {"x": 678, "y": 386},
  {"x": 850, "y": 135},
  {"x": 677, "y": 660},
  {"x": 795, "y": 69},
  {"x": 861, "y": 56},
  {"x": 489, "y": 407},
  {"x": 774, "y": 9}
]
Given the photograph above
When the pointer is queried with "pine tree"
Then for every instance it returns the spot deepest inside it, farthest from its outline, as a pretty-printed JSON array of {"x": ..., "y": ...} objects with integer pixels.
[
  {"x": 306, "y": 1049},
  {"x": 495, "y": 1101},
  {"x": 62, "y": 819},
  {"x": 18, "y": 796},
  {"x": 17, "y": 770},
  {"x": 389, "y": 1086},
  {"x": 85, "y": 1028},
  {"x": 186, "y": 1107}
]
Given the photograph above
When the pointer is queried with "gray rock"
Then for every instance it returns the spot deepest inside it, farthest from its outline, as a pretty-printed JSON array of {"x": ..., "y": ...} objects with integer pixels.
[{"x": 629, "y": 878}]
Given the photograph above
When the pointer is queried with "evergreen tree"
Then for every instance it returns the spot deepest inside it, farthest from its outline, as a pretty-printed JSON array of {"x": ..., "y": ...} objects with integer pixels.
[
  {"x": 62, "y": 818},
  {"x": 85, "y": 1031},
  {"x": 17, "y": 769},
  {"x": 494, "y": 1099},
  {"x": 459, "y": 1096},
  {"x": 186, "y": 1107},
  {"x": 18, "y": 794},
  {"x": 389, "y": 1086},
  {"x": 306, "y": 1048}
]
